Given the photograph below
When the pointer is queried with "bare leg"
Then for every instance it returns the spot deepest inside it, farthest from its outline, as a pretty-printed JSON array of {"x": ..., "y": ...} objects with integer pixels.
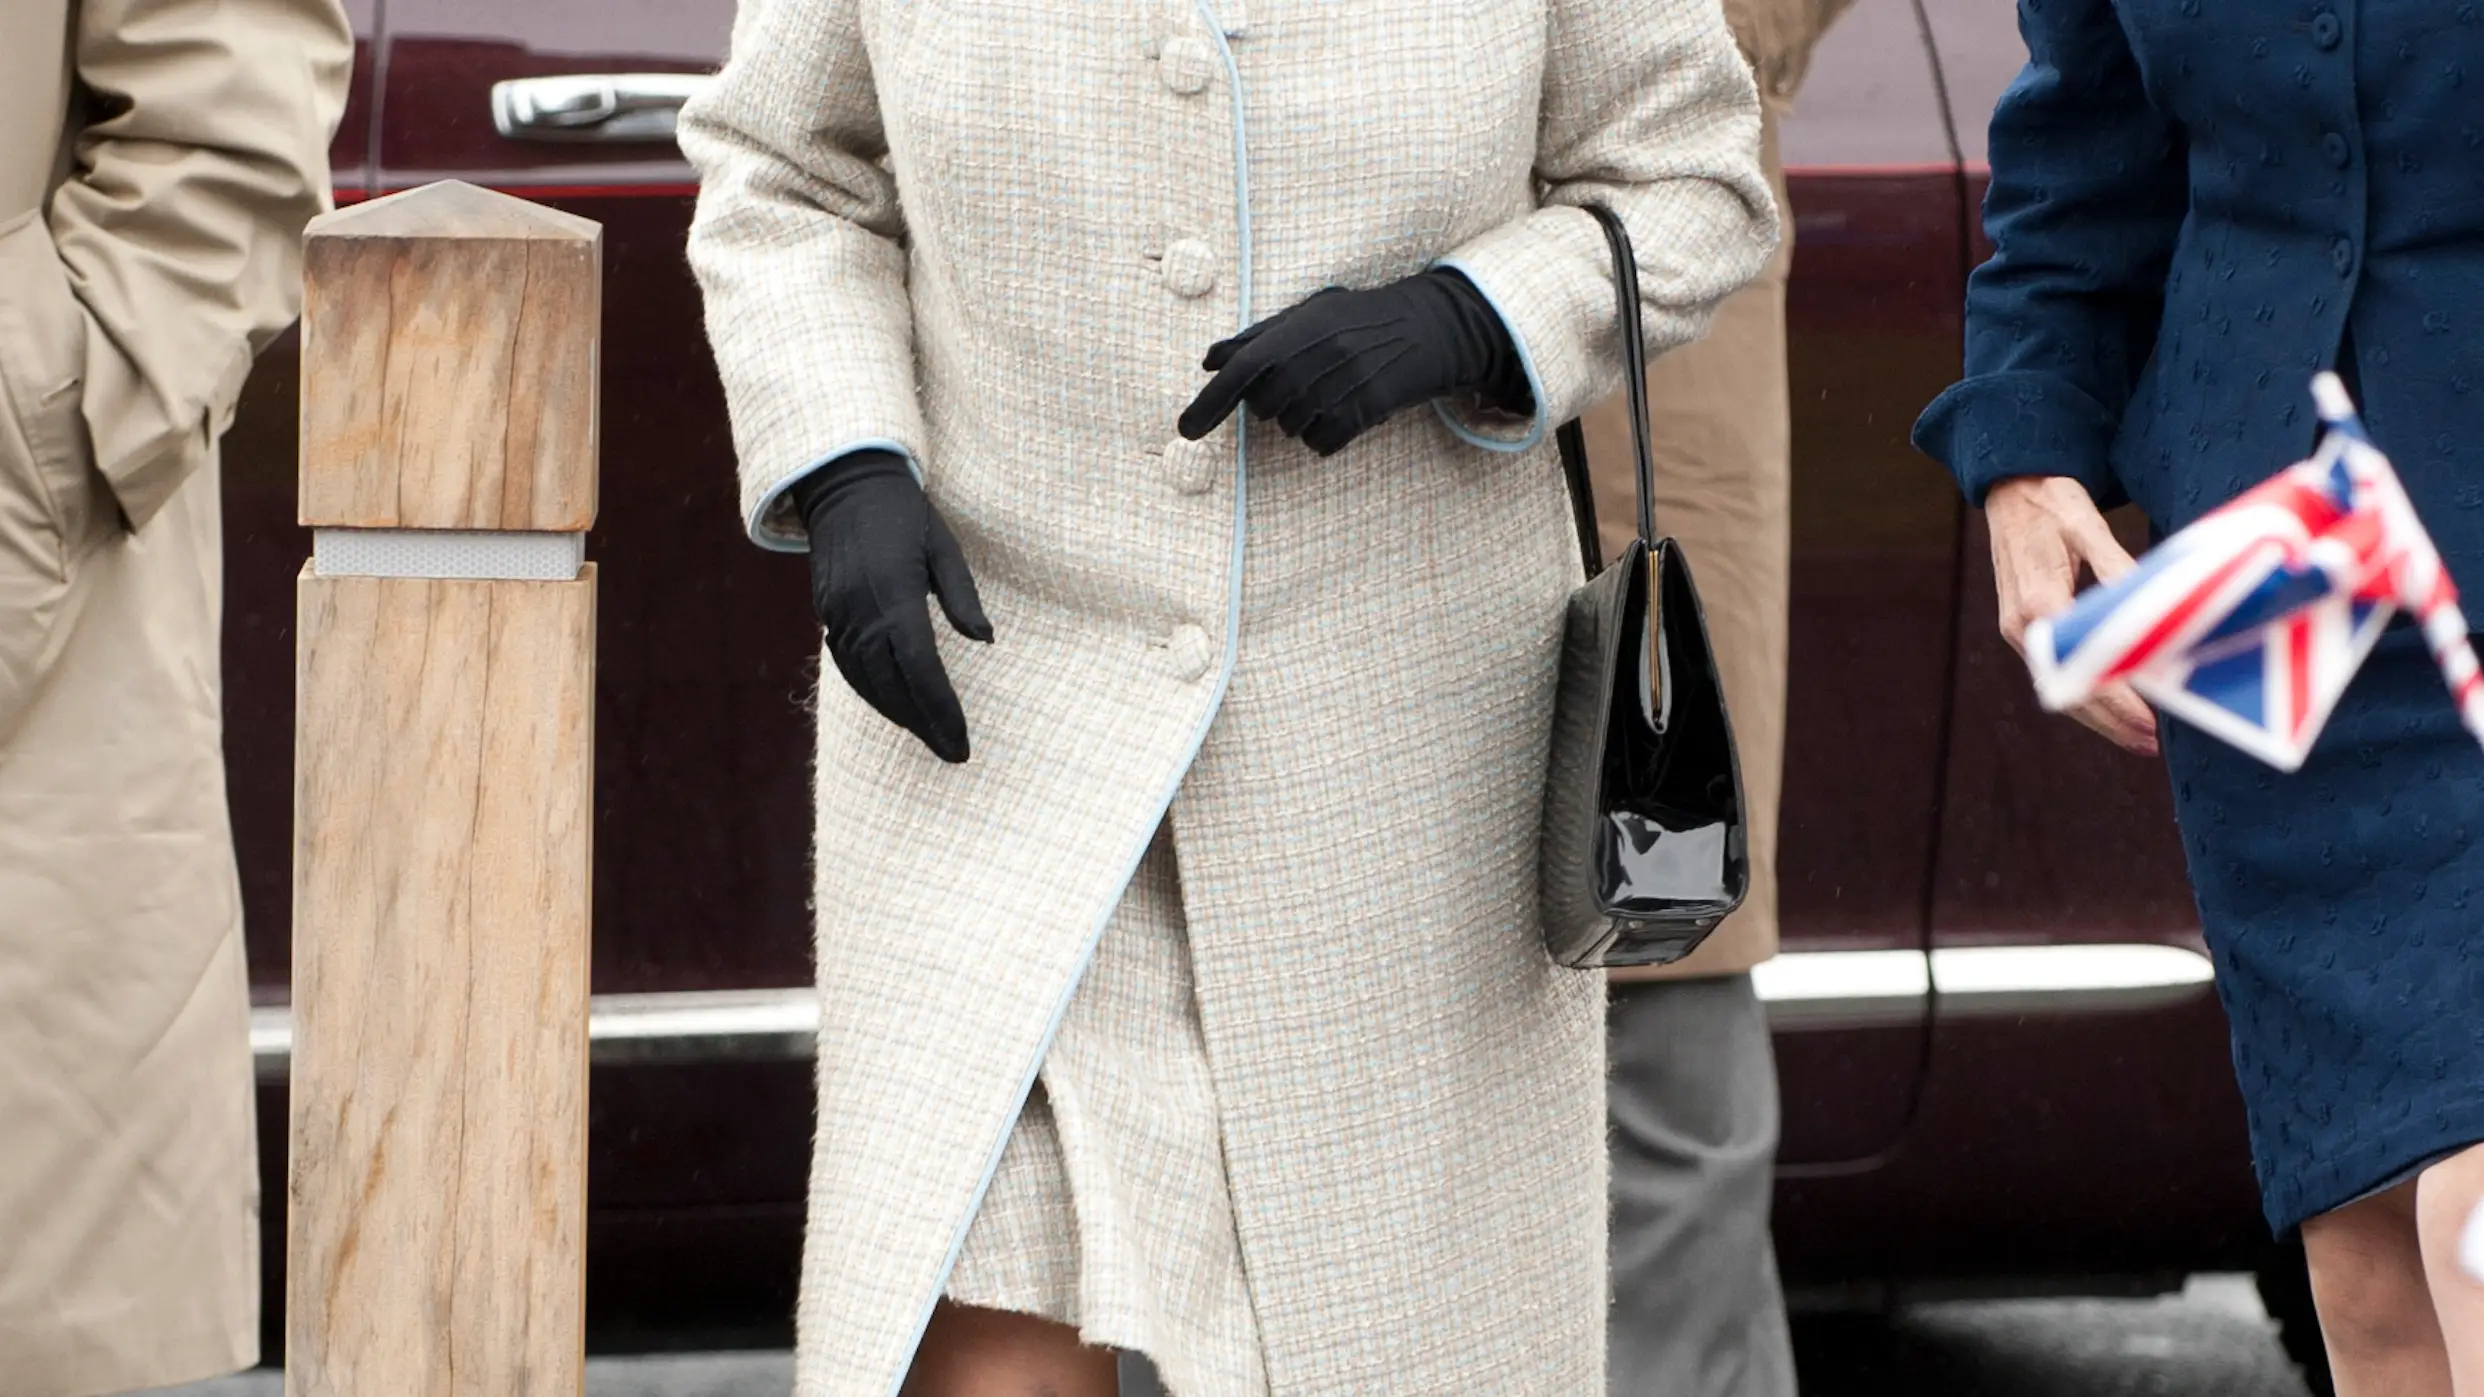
[
  {"x": 2367, "y": 1275},
  {"x": 2446, "y": 1197},
  {"x": 989, "y": 1353}
]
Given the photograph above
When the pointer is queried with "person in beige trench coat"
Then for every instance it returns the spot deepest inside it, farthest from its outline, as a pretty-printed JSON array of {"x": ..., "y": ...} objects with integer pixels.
[
  {"x": 1204, "y": 1012},
  {"x": 158, "y": 159},
  {"x": 1697, "y": 1310}
]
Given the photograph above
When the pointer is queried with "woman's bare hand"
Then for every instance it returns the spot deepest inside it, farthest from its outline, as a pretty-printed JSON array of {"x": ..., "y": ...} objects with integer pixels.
[{"x": 2044, "y": 528}]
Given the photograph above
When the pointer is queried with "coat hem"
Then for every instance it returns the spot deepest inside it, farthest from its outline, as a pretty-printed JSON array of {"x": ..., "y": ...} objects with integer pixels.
[{"x": 46, "y": 1362}]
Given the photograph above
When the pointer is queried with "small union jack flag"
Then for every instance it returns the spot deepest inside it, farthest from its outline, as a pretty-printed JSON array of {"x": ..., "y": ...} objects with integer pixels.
[{"x": 2250, "y": 623}]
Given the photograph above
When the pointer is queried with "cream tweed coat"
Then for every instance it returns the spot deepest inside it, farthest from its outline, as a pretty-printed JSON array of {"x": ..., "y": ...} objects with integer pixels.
[{"x": 997, "y": 235}]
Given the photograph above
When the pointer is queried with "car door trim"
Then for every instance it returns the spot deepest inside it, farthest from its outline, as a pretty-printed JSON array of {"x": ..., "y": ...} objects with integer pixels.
[{"x": 1805, "y": 991}]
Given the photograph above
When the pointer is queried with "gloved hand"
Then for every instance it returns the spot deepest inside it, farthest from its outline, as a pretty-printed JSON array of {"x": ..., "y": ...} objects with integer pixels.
[
  {"x": 1338, "y": 364},
  {"x": 877, "y": 549}
]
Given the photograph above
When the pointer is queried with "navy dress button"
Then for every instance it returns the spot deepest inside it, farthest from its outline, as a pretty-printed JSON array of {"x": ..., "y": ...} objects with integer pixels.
[
  {"x": 2326, "y": 30},
  {"x": 2342, "y": 256},
  {"x": 2339, "y": 152}
]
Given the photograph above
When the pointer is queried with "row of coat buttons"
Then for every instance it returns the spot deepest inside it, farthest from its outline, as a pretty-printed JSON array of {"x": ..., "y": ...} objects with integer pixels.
[
  {"x": 2328, "y": 31},
  {"x": 1186, "y": 66}
]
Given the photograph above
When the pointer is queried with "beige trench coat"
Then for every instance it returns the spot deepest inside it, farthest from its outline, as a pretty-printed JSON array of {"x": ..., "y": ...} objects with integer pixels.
[
  {"x": 1724, "y": 487},
  {"x": 158, "y": 159},
  {"x": 998, "y": 236}
]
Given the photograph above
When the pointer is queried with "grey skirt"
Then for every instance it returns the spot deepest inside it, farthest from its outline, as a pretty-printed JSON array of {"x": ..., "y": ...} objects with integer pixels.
[{"x": 1109, "y": 1211}]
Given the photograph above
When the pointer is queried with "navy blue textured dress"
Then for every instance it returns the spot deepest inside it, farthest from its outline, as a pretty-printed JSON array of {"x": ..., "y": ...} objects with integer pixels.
[{"x": 2197, "y": 204}]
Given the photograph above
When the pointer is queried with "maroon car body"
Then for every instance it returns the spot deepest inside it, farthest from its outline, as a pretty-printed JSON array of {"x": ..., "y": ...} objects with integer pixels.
[{"x": 2004, "y": 1068}]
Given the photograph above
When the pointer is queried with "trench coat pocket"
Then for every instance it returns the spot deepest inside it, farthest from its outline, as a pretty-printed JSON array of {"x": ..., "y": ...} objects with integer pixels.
[{"x": 49, "y": 491}]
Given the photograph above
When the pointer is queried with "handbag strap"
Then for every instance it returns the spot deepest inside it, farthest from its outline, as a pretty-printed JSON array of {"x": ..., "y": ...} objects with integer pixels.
[{"x": 1573, "y": 442}]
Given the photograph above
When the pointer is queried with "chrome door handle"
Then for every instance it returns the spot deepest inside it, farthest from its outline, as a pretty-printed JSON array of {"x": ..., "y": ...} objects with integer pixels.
[{"x": 603, "y": 107}]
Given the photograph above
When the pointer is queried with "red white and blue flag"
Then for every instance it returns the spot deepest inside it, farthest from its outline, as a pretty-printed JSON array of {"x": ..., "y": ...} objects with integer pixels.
[{"x": 2250, "y": 623}]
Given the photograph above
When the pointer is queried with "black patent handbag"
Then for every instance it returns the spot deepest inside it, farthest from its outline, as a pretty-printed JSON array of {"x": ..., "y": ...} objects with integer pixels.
[{"x": 1644, "y": 847}]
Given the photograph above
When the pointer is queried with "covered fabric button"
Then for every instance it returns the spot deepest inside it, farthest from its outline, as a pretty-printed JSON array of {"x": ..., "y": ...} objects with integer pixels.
[
  {"x": 1187, "y": 654},
  {"x": 1189, "y": 267},
  {"x": 2339, "y": 152},
  {"x": 2326, "y": 30},
  {"x": 1186, "y": 65},
  {"x": 2342, "y": 256},
  {"x": 1196, "y": 466}
]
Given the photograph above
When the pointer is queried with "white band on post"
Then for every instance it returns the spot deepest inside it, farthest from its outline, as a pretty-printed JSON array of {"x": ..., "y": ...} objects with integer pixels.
[{"x": 462, "y": 554}]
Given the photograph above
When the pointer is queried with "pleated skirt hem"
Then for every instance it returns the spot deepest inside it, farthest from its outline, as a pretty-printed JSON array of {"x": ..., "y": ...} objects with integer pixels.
[{"x": 1109, "y": 1211}]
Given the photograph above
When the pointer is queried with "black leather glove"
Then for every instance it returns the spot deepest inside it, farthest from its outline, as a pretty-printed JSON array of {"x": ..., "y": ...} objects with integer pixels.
[
  {"x": 1338, "y": 364},
  {"x": 877, "y": 549}
]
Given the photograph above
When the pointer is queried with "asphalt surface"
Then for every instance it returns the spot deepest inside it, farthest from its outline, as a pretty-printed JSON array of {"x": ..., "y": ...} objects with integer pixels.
[{"x": 2213, "y": 1340}]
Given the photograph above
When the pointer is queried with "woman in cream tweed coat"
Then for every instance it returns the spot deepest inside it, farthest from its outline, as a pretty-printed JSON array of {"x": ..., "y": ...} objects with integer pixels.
[{"x": 1205, "y": 1010}]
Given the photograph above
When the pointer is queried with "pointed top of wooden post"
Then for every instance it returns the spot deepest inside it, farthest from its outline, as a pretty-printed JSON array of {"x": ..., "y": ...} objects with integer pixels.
[
  {"x": 452, "y": 208},
  {"x": 449, "y": 364}
]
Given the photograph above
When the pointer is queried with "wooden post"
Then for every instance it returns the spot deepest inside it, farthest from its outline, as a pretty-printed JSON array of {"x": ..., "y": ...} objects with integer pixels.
[{"x": 442, "y": 782}]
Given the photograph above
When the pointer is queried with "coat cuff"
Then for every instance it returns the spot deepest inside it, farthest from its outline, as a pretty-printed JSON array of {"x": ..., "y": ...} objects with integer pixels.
[
  {"x": 1477, "y": 422},
  {"x": 1999, "y": 426},
  {"x": 1540, "y": 301},
  {"x": 772, "y": 520},
  {"x": 146, "y": 443}
]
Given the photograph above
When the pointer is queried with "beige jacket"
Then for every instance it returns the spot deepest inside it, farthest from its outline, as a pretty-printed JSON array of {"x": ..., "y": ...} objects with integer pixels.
[
  {"x": 158, "y": 159},
  {"x": 1334, "y": 677},
  {"x": 1724, "y": 488},
  {"x": 1777, "y": 38}
]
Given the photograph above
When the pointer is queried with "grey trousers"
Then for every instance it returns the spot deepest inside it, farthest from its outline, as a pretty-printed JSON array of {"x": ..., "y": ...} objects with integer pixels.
[{"x": 1697, "y": 1311}]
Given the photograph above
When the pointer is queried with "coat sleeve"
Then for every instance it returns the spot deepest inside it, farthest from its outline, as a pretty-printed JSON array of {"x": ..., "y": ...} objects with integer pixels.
[
  {"x": 1648, "y": 108},
  {"x": 203, "y": 152},
  {"x": 2089, "y": 191},
  {"x": 797, "y": 245}
]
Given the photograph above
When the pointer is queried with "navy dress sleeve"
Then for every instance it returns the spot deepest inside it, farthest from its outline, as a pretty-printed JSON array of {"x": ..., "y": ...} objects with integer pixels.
[{"x": 2089, "y": 191}]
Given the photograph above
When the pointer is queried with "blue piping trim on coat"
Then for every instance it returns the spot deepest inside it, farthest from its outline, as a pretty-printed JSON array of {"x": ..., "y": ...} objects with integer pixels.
[
  {"x": 778, "y": 543},
  {"x": 1198, "y": 739},
  {"x": 1526, "y": 360}
]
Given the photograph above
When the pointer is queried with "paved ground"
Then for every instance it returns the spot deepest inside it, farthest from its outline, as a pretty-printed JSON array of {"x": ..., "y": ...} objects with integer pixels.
[{"x": 2211, "y": 1341}]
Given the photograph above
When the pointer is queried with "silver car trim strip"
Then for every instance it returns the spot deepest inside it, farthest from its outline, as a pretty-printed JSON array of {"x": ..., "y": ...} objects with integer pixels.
[
  {"x": 1805, "y": 991},
  {"x": 1817, "y": 990}
]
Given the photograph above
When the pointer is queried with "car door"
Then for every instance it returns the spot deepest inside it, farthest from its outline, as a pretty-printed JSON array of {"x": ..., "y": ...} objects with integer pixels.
[
  {"x": 2035, "y": 805},
  {"x": 2080, "y": 1105},
  {"x": 703, "y": 815},
  {"x": 1872, "y": 321},
  {"x": 706, "y": 646}
]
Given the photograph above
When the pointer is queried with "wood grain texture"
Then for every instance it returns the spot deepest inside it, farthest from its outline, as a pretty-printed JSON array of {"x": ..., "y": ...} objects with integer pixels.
[
  {"x": 449, "y": 371},
  {"x": 442, "y": 803}
]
